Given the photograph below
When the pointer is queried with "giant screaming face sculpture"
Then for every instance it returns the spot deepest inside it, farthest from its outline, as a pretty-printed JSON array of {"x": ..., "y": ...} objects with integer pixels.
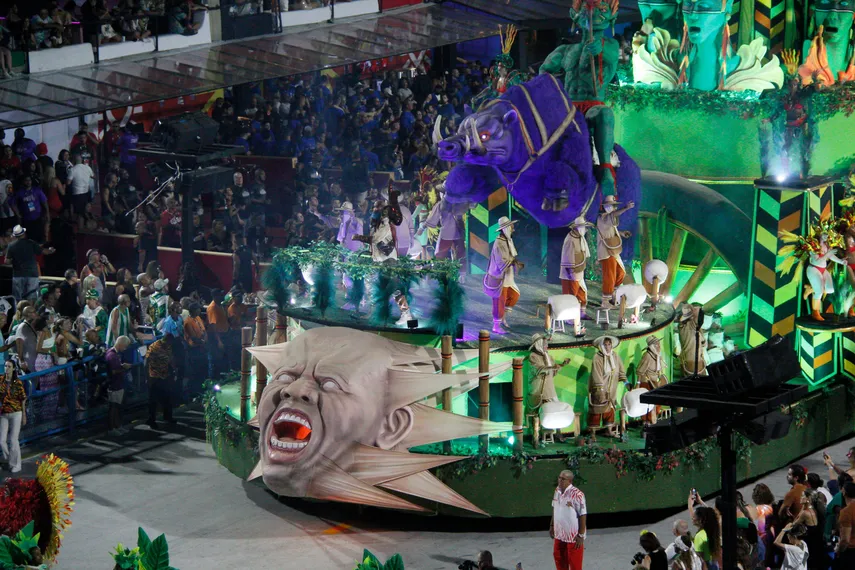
[{"x": 340, "y": 411}]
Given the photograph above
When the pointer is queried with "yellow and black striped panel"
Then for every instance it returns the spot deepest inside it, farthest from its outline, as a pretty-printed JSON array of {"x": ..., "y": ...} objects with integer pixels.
[
  {"x": 817, "y": 355},
  {"x": 733, "y": 24},
  {"x": 769, "y": 23}
]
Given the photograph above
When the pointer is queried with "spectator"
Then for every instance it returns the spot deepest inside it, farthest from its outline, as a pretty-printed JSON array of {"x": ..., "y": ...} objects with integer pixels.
[
  {"x": 173, "y": 325},
  {"x": 26, "y": 340},
  {"x": 795, "y": 550},
  {"x": 243, "y": 263},
  {"x": 30, "y": 205},
  {"x": 218, "y": 328},
  {"x": 23, "y": 147},
  {"x": 655, "y": 558},
  {"x": 170, "y": 225},
  {"x": 844, "y": 558},
  {"x": 792, "y": 505},
  {"x": 569, "y": 523},
  {"x": 686, "y": 558},
  {"x": 146, "y": 288},
  {"x": 197, "y": 340},
  {"x": 99, "y": 267},
  {"x": 49, "y": 382},
  {"x": 120, "y": 324},
  {"x": 832, "y": 510},
  {"x": 94, "y": 316},
  {"x": 25, "y": 269},
  {"x": 810, "y": 519},
  {"x": 160, "y": 361},
  {"x": 80, "y": 178},
  {"x": 7, "y": 215},
  {"x": 815, "y": 482},
  {"x": 116, "y": 370},
  {"x": 762, "y": 508},
  {"x": 680, "y": 528},
  {"x": 13, "y": 403},
  {"x": 708, "y": 538},
  {"x": 6, "y": 54},
  {"x": 160, "y": 300},
  {"x": 9, "y": 160},
  {"x": 834, "y": 470}
]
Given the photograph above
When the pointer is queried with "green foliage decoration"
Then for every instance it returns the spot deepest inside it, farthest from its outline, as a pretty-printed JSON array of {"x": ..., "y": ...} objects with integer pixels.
[
  {"x": 15, "y": 551},
  {"x": 148, "y": 555},
  {"x": 371, "y": 562}
]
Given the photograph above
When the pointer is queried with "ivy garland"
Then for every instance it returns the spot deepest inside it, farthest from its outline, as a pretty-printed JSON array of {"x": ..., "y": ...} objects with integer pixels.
[
  {"x": 823, "y": 103},
  {"x": 220, "y": 424}
]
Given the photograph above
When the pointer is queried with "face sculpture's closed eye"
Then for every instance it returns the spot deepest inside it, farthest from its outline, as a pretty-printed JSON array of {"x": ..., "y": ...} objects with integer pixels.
[{"x": 338, "y": 415}]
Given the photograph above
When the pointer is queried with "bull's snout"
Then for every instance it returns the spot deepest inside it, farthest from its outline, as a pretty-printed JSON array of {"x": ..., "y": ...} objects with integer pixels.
[{"x": 451, "y": 148}]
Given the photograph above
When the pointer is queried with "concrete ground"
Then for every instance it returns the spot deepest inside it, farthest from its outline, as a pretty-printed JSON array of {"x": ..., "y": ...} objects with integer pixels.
[{"x": 170, "y": 482}]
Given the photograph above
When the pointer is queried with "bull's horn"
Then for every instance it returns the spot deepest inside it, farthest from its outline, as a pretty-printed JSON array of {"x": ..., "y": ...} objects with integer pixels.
[
  {"x": 475, "y": 134},
  {"x": 436, "y": 132}
]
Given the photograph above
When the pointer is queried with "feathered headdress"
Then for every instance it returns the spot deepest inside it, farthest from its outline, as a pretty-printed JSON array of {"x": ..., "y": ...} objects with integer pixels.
[
  {"x": 798, "y": 249},
  {"x": 507, "y": 36}
]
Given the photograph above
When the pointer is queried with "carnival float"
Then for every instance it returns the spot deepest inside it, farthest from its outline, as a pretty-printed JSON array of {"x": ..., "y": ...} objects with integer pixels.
[{"x": 608, "y": 206}]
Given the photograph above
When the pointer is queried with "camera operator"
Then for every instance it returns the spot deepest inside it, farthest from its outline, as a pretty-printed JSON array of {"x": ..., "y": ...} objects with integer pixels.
[
  {"x": 654, "y": 557},
  {"x": 485, "y": 562}
]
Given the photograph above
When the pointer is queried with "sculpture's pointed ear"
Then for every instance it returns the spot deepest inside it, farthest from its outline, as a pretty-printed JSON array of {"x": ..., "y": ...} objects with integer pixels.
[{"x": 510, "y": 118}]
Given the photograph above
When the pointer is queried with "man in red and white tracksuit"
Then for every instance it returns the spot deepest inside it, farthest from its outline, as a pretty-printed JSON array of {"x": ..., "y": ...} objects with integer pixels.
[{"x": 569, "y": 524}]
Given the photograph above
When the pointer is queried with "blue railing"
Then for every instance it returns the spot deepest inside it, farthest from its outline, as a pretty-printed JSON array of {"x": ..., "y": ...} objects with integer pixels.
[{"x": 77, "y": 398}]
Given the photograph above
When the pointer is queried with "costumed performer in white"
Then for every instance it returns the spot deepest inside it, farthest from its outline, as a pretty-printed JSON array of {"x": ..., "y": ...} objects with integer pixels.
[{"x": 499, "y": 283}]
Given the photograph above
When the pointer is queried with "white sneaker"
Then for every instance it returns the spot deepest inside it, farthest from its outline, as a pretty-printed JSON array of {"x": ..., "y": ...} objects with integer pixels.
[
  {"x": 15, "y": 470},
  {"x": 405, "y": 316}
]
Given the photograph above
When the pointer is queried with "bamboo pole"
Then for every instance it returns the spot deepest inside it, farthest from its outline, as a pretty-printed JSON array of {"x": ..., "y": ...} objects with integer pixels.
[
  {"x": 484, "y": 383},
  {"x": 518, "y": 403},
  {"x": 675, "y": 255},
  {"x": 260, "y": 340},
  {"x": 622, "y": 311},
  {"x": 280, "y": 333},
  {"x": 655, "y": 289},
  {"x": 698, "y": 275},
  {"x": 445, "y": 351},
  {"x": 245, "y": 372}
]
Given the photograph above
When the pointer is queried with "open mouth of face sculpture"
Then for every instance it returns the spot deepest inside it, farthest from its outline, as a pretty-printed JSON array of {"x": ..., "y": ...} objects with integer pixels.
[{"x": 288, "y": 436}]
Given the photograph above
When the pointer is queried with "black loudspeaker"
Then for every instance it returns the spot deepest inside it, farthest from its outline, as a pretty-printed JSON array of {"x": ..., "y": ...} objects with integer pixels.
[
  {"x": 680, "y": 431},
  {"x": 764, "y": 429},
  {"x": 206, "y": 180},
  {"x": 187, "y": 132},
  {"x": 767, "y": 365}
]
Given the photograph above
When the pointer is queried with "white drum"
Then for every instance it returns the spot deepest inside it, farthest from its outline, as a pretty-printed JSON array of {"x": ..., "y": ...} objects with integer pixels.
[
  {"x": 556, "y": 415},
  {"x": 655, "y": 268}
]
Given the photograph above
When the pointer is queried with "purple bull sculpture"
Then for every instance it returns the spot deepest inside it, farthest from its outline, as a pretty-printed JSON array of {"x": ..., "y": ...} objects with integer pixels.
[{"x": 535, "y": 142}]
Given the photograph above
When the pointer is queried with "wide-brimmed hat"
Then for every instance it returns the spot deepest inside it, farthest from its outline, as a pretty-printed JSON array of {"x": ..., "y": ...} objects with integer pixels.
[
  {"x": 598, "y": 342},
  {"x": 345, "y": 207},
  {"x": 651, "y": 340},
  {"x": 610, "y": 200},
  {"x": 580, "y": 222},
  {"x": 92, "y": 294},
  {"x": 160, "y": 284},
  {"x": 18, "y": 231},
  {"x": 505, "y": 222}
]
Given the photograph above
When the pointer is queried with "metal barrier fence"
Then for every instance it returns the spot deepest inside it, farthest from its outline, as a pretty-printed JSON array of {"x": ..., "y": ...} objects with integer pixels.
[{"x": 77, "y": 398}]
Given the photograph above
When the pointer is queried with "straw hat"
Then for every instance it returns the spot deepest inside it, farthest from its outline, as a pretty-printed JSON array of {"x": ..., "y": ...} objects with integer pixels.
[
  {"x": 505, "y": 222},
  {"x": 18, "y": 231},
  {"x": 651, "y": 340},
  {"x": 580, "y": 222},
  {"x": 598, "y": 342},
  {"x": 610, "y": 200}
]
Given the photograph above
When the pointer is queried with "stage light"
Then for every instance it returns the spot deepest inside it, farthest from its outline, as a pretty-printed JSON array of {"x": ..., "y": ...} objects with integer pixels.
[
  {"x": 669, "y": 299},
  {"x": 217, "y": 388},
  {"x": 511, "y": 440},
  {"x": 781, "y": 177},
  {"x": 556, "y": 415}
]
